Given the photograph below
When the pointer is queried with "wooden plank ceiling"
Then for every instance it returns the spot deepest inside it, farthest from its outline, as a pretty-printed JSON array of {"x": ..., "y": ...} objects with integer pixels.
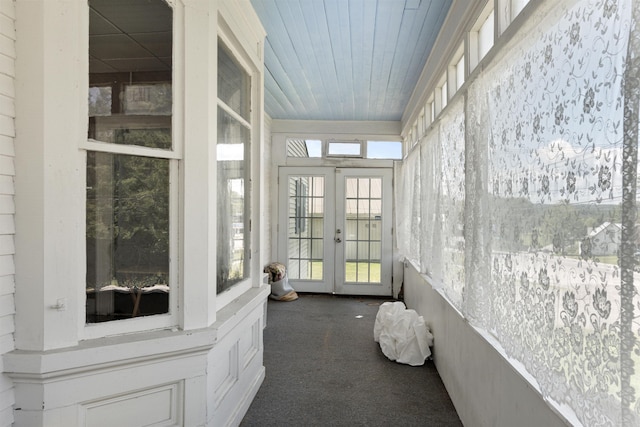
[{"x": 345, "y": 59}]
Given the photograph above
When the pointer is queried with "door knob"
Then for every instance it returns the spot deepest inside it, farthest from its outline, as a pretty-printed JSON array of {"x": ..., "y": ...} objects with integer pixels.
[{"x": 338, "y": 240}]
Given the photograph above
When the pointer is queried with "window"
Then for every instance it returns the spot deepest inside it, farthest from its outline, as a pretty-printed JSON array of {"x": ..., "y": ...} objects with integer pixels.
[
  {"x": 234, "y": 170},
  {"x": 441, "y": 95},
  {"x": 384, "y": 150},
  {"x": 509, "y": 10},
  {"x": 421, "y": 124},
  {"x": 444, "y": 94},
  {"x": 344, "y": 149},
  {"x": 481, "y": 37},
  {"x": 457, "y": 70},
  {"x": 408, "y": 141},
  {"x": 517, "y": 6},
  {"x": 304, "y": 148},
  {"x": 431, "y": 108},
  {"x": 130, "y": 161},
  {"x": 426, "y": 118},
  {"x": 485, "y": 36}
]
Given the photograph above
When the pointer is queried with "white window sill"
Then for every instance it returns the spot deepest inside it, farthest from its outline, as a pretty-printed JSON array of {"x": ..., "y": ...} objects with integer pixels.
[{"x": 101, "y": 353}]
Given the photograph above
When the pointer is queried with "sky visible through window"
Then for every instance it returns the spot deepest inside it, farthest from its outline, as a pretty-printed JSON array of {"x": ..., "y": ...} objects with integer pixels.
[{"x": 374, "y": 149}]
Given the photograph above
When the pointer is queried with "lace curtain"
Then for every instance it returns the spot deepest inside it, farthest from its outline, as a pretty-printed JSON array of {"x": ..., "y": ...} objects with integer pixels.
[
  {"x": 529, "y": 205},
  {"x": 408, "y": 215}
]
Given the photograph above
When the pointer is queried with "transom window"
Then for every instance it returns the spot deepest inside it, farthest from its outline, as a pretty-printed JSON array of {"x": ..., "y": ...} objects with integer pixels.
[{"x": 316, "y": 148}]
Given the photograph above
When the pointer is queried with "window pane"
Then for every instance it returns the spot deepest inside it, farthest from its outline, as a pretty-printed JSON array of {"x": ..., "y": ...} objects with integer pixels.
[
  {"x": 151, "y": 99},
  {"x": 444, "y": 95},
  {"x": 344, "y": 149},
  {"x": 517, "y": 6},
  {"x": 233, "y": 201},
  {"x": 485, "y": 36},
  {"x": 130, "y": 78},
  {"x": 304, "y": 148},
  {"x": 306, "y": 227},
  {"x": 233, "y": 83},
  {"x": 127, "y": 236},
  {"x": 384, "y": 149},
  {"x": 100, "y": 100},
  {"x": 460, "y": 73}
]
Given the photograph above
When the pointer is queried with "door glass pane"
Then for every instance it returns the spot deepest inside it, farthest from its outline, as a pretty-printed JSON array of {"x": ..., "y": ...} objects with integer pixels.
[
  {"x": 363, "y": 212},
  {"x": 363, "y": 188},
  {"x": 352, "y": 229},
  {"x": 351, "y": 189},
  {"x": 376, "y": 188},
  {"x": 306, "y": 227},
  {"x": 376, "y": 209}
]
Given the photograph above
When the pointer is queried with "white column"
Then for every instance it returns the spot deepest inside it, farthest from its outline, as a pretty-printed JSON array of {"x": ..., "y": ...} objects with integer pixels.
[
  {"x": 198, "y": 264},
  {"x": 51, "y": 120}
]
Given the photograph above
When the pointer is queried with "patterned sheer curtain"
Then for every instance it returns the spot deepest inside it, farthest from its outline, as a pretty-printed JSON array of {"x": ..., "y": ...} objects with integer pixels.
[
  {"x": 451, "y": 199},
  {"x": 529, "y": 205},
  {"x": 430, "y": 229},
  {"x": 408, "y": 206}
]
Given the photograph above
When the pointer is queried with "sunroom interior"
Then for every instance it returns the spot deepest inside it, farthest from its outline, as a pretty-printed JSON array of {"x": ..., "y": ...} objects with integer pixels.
[
  {"x": 514, "y": 202},
  {"x": 477, "y": 160}
]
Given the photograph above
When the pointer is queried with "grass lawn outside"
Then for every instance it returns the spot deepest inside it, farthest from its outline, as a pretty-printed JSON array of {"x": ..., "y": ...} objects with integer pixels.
[{"x": 354, "y": 271}]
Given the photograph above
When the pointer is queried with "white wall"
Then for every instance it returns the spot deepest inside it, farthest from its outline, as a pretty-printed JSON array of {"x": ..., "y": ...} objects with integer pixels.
[
  {"x": 7, "y": 172},
  {"x": 205, "y": 367},
  {"x": 484, "y": 387}
]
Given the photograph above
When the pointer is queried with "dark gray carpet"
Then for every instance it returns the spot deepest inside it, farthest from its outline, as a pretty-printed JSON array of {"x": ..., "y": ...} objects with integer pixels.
[{"x": 323, "y": 368}]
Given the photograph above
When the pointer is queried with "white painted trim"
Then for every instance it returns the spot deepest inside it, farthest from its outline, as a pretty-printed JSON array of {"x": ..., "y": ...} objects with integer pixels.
[
  {"x": 50, "y": 122},
  {"x": 252, "y": 64},
  {"x": 459, "y": 19},
  {"x": 123, "y": 349},
  {"x": 338, "y": 129},
  {"x": 198, "y": 169},
  {"x": 130, "y": 150}
]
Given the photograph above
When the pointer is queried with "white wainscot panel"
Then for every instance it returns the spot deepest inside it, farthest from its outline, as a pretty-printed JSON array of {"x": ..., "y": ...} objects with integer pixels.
[
  {"x": 159, "y": 406},
  {"x": 235, "y": 365},
  {"x": 225, "y": 374},
  {"x": 249, "y": 344}
]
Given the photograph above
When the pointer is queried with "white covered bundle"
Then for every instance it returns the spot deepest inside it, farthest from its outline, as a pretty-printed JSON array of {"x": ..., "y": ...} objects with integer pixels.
[{"x": 402, "y": 334}]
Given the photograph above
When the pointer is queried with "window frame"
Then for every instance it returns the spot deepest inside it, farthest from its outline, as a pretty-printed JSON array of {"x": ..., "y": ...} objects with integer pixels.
[
  {"x": 457, "y": 70},
  {"x": 477, "y": 49},
  {"x": 173, "y": 155},
  {"x": 359, "y": 143},
  {"x": 441, "y": 96},
  {"x": 234, "y": 48}
]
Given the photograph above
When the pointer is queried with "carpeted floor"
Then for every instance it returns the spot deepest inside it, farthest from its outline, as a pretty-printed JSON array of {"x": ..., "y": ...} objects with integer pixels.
[{"x": 323, "y": 368}]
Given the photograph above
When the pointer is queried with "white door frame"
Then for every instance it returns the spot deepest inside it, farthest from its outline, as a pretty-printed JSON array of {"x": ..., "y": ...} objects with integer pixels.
[
  {"x": 342, "y": 286},
  {"x": 328, "y": 173},
  {"x": 333, "y": 250}
]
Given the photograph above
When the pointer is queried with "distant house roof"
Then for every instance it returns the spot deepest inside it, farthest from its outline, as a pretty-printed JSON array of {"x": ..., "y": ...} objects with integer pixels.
[{"x": 603, "y": 227}]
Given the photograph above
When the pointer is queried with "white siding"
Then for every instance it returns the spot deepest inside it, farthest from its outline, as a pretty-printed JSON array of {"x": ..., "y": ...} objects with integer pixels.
[{"x": 7, "y": 249}]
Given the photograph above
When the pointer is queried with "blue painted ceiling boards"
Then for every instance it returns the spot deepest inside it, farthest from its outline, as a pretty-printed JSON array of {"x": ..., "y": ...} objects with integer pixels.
[{"x": 345, "y": 59}]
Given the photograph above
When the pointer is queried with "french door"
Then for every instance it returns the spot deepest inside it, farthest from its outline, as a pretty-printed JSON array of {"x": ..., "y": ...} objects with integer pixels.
[{"x": 334, "y": 232}]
